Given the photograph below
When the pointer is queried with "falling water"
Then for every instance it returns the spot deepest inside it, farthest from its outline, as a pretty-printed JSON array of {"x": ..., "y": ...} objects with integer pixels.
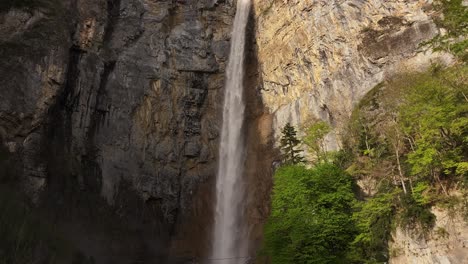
[{"x": 229, "y": 241}]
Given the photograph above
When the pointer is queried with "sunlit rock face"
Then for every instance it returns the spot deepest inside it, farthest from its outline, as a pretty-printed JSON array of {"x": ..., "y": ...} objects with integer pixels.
[
  {"x": 112, "y": 109},
  {"x": 447, "y": 243},
  {"x": 319, "y": 57}
]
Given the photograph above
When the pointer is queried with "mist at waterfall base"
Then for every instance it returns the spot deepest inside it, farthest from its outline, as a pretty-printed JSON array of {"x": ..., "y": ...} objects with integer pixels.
[{"x": 230, "y": 242}]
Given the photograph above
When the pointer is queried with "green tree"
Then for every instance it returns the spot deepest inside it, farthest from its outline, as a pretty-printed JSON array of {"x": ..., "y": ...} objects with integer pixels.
[
  {"x": 434, "y": 116},
  {"x": 454, "y": 19},
  {"x": 374, "y": 219},
  {"x": 315, "y": 139},
  {"x": 289, "y": 143},
  {"x": 311, "y": 218}
]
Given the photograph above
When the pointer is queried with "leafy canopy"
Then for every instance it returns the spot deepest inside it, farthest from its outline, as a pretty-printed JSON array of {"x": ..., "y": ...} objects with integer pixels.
[
  {"x": 374, "y": 222},
  {"x": 434, "y": 113},
  {"x": 454, "y": 19},
  {"x": 314, "y": 139},
  {"x": 311, "y": 215}
]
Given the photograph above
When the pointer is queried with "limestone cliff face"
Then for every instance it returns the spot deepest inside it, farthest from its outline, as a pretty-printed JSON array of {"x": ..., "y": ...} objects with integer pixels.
[
  {"x": 110, "y": 111},
  {"x": 318, "y": 57},
  {"x": 446, "y": 244}
]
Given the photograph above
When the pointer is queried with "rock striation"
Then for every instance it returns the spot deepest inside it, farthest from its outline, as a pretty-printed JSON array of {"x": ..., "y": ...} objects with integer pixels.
[
  {"x": 319, "y": 58},
  {"x": 447, "y": 243},
  {"x": 111, "y": 109}
]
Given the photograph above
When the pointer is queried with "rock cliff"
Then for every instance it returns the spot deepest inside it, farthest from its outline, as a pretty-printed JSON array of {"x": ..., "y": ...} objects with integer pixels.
[
  {"x": 110, "y": 111},
  {"x": 318, "y": 58},
  {"x": 446, "y": 243}
]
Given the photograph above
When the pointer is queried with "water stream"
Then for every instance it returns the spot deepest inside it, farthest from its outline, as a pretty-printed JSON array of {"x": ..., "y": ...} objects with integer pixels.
[{"x": 230, "y": 244}]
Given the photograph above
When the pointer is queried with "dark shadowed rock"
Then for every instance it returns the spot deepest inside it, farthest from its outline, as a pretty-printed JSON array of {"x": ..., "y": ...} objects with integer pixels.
[{"x": 109, "y": 107}]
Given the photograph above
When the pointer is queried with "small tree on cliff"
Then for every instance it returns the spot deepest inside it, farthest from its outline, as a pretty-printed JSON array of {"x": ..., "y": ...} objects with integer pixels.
[
  {"x": 289, "y": 143},
  {"x": 315, "y": 140}
]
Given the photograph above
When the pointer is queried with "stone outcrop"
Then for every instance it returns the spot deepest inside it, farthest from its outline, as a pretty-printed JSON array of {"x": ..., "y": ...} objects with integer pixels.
[
  {"x": 447, "y": 242},
  {"x": 111, "y": 110},
  {"x": 318, "y": 58}
]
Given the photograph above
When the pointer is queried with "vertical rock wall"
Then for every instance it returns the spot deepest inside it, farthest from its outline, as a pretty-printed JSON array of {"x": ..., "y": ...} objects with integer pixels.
[
  {"x": 447, "y": 243},
  {"x": 319, "y": 57},
  {"x": 111, "y": 109}
]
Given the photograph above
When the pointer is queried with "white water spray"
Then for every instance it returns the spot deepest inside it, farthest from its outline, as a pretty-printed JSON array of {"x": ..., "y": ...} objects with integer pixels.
[{"x": 230, "y": 244}]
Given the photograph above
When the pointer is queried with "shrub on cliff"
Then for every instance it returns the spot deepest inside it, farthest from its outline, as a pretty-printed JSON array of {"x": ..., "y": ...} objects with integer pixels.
[
  {"x": 374, "y": 220},
  {"x": 315, "y": 140},
  {"x": 454, "y": 19},
  {"x": 433, "y": 116},
  {"x": 409, "y": 139}
]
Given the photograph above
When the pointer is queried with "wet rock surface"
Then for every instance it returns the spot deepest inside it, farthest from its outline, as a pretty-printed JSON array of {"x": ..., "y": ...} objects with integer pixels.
[{"x": 111, "y": 110}]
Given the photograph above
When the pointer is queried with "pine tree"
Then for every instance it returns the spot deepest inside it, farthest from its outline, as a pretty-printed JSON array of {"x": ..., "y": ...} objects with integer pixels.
[{"x": 289, "y": 142}]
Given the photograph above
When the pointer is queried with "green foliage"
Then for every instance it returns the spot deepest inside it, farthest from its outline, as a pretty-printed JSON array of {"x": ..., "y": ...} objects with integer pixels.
[
  {"x": 408, "y": 147},
  {"x": 416, "y": 127},
  {"x": 289, "y": 143},
  {"x": 374, "y": 219},
  {"x": 437, "y": 100},
  {"x": 374, "y": 160},
  {"x": 416, "y": 217},
  {"x": 411, "y": 131},
  {"x": 314, "y": 139},
  {"x": 421, "y": 194},
  {"x": 24, "y": 238},
  {"x": 365, "y": 134},
  {"x": 441, "y": 232},
  {"x": 342, "y": 158},
  {"x": 454, "y": 19},
  {"x": 462, "y": 168},
  {"x": 311, "y": 215}
]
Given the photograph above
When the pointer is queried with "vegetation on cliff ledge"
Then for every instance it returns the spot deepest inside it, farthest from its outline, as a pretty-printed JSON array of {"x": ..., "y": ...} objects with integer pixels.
[
  {"x": 407, "y": 148},
  {"x": 453, "y": 18}
]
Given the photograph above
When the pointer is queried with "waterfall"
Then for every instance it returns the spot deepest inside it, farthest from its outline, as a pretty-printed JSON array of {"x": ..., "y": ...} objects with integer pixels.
[{"x": 230, "y": 242}]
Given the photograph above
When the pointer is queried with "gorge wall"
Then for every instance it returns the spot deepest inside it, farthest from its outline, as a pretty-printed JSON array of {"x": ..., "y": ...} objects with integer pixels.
[
  {"x": 110, "y": 109},
  {"x": 318, "y": 58},
  {"x": 446, "y": 243}
]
